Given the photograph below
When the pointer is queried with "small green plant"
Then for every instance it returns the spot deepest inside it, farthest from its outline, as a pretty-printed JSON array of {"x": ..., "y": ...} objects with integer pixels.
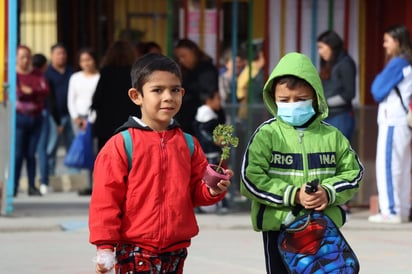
[{"x": 223, "y": 136}]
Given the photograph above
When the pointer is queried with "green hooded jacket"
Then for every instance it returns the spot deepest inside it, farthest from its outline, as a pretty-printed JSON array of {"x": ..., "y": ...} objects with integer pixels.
[{"x": 280, "y": 158}]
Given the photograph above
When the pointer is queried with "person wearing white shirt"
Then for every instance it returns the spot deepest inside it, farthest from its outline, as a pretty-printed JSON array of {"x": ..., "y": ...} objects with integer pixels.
[{"x": 82, "y": 86}]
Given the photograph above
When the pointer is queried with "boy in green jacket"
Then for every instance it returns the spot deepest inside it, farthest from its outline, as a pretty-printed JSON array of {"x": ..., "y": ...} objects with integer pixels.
[{"x": 294, "y": 148}]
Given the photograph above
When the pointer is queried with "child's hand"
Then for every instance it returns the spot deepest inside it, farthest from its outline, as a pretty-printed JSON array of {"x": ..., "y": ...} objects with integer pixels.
[
  {"x": 316, "y": 200},
  {"x": 104, "y": 260},
  {"x": 223, "y": 185}
]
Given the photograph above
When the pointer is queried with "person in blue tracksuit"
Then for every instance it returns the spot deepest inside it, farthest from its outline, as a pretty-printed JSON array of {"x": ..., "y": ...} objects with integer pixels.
[{"x": 392, "y": 90}]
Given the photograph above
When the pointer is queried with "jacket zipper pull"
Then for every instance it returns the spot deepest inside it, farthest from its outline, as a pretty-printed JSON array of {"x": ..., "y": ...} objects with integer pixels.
[{"x": 300, "y": 136}]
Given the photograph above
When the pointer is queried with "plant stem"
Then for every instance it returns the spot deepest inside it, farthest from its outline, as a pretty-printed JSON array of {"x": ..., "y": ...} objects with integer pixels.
[{"x": 219, "y": 166}]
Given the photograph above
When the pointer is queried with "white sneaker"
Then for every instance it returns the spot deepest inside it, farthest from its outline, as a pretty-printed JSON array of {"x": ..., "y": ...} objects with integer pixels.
[
  {"x": 387, "y": 219},
  {"x": 44, "y": 189}
]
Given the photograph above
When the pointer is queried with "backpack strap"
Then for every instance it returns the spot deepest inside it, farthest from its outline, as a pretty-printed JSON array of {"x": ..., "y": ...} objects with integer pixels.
[
  {"x": 190, "y": 143},
  {"x": 400, "y": 97},
  {"x": 128, "y": 145}
]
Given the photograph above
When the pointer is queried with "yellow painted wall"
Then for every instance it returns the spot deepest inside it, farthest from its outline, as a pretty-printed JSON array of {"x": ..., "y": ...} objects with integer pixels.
[
  {"x": 152, "y": 20},
  {"x": 259, "y": 19},
  {"x": 258, "y": 15},
  {"x": 156, "y": 29},
  {"x": 38, "y": 25}
]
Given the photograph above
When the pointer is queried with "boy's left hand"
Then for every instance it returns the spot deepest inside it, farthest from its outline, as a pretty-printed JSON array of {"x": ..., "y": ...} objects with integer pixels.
[{"x": 222, "y": 186}]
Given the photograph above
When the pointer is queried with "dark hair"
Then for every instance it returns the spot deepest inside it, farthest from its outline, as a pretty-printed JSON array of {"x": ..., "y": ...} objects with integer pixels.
[
  {"x": 149, "y": 63},
  {"x": 293, "y": 82},
  {"x": 401, "y": 34},
  {"x": 148, "y": 47},
  {"x": 257, "y": 47},
  {"x": 88, "y": 51},
  {"x": 333, "y": 40},
  {"x": 58, "y": 45},
  {"x": 152, "y": 45},
  {"x": 39, "y": 60},
  {"x": 204, "y": 96},
  {"x": 120, "y": 53},
  {"x": 189, "y": 44}
]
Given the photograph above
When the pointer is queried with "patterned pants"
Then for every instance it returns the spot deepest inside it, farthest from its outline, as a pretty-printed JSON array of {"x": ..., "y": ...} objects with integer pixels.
[{"x": 133, "y": 259}]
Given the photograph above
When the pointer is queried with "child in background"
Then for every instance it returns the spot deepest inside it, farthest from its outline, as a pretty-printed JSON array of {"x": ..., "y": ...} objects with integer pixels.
[
  {"x": 205, "y": 122},
  {"x": 292, "y": 149},
  {"x": 147, "y": 214},
  {"x": 39, "y": 62}
]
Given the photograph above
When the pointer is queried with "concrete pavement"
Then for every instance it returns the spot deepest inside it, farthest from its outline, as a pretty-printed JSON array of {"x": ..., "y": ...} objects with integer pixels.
[{"x": 49, "y": 235}]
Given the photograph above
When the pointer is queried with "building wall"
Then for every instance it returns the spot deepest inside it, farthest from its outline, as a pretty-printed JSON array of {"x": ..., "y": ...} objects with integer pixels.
[
  {"x": 145, "y": 20},
  {"x": 38, "y": 24}
]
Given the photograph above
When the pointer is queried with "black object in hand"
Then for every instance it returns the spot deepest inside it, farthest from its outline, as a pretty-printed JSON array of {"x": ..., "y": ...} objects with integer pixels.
[{"x": 312, "y": 186}]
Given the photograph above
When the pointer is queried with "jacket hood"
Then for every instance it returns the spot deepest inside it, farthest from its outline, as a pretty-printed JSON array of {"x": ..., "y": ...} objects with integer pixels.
[
  {"x": 134, "y": 122},
  {"x": 298, "y": 65}
]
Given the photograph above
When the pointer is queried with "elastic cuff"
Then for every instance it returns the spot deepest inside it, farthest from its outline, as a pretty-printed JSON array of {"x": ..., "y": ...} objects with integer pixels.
[
  {"x": 289, "y": 196},
  {"x": 330, "y": 193},
  {"x": 105, "y": 246}
]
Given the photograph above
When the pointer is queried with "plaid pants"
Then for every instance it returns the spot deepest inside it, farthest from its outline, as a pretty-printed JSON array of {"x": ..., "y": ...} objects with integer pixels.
[{"x": 133, "y": 259}]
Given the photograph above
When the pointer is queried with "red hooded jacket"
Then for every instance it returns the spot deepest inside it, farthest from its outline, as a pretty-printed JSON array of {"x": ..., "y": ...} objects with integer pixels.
[{"x": 152, "y": 206}]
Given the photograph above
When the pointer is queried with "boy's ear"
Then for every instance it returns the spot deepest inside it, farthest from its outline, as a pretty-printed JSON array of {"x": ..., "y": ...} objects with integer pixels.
[
  {"x": 135, "y": 96},
  {"x": 183, "y": 91}
]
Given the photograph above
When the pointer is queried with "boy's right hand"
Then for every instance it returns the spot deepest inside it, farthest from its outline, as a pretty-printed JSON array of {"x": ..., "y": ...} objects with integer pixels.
[
  {"x": 316, "y": 200},
  {"x": 105, "y": 260}
]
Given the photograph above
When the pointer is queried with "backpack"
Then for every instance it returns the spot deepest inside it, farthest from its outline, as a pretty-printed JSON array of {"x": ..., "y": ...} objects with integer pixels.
[
  {"x": 128, "y": 145},
  {"x": 312, "y": 243}
]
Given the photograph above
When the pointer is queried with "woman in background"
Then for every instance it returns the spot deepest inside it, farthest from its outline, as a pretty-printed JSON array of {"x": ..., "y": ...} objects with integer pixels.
[
  {"x": 111, "y": 100},
  {"x": 82, "y": 85},
  {"x": 392, "y": 90},
  {"x": 338, "y": 75},
  {"x": 32, "y": 91},
  {"x": 200, "y": 76}
]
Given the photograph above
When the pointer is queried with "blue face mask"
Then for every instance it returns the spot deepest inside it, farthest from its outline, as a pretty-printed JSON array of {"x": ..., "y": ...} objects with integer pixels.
[{"x": 296, "y": 113}]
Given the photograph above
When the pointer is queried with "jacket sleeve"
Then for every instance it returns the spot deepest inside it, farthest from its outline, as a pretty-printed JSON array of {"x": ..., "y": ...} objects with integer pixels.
[
  {"x": 386, "y": 80},
  {"x": 341, "y": 187},
  {"x": 256, "y": 182},
  {"x": 200, "y": 191},
  {"x": 71, "y": 97},
  {"x": 347, "y": 77},
  {"x": 109, "y": 192}
]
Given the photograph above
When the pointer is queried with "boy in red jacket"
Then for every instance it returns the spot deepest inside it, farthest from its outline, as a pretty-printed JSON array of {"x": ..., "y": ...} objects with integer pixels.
[{"x": 144, "y": 210}]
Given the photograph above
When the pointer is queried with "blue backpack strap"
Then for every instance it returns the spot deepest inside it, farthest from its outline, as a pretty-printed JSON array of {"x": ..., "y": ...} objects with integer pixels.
[
  {"x": 190, "y": 143},
  {"x": 128, "y": 147}
]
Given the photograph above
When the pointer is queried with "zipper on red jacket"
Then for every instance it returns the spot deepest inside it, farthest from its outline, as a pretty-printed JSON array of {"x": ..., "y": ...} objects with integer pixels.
[{"x": 163, "y": 164}]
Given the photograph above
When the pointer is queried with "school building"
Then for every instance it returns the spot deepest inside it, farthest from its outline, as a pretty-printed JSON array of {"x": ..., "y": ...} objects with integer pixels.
[{"x": 283, "y": 25}]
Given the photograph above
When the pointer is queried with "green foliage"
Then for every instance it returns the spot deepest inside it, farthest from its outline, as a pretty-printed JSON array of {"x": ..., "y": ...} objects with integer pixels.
[{"x": 223, "y": 136}]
